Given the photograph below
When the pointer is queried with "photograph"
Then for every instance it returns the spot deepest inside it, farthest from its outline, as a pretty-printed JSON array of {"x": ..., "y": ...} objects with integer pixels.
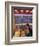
[{"x": 22, "y": 21}]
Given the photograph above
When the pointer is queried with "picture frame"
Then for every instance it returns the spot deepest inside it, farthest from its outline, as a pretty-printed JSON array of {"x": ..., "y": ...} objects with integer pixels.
[{"x": 20, "y": 16}]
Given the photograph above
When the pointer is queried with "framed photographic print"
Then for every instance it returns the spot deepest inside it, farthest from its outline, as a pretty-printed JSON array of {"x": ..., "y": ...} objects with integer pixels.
[{"x": 21, "y": 22}]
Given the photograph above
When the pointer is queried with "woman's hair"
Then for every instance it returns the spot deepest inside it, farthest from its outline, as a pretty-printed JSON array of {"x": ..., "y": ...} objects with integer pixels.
[{"x": 30, "y": 30}]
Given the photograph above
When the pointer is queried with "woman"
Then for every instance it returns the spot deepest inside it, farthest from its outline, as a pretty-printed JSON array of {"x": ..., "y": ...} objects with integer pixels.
[
  {"x": 28, "y": 30},
  {"x": 17, "y": 32},
  {"x": 22, "y": 31}
]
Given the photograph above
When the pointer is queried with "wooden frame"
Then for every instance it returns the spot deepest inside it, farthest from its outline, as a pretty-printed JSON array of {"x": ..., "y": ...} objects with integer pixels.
[{"x": 7, "y": 24}]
